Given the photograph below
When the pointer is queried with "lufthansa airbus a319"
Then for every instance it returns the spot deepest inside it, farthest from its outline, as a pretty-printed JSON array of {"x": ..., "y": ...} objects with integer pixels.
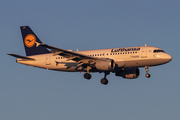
[{"x": 124, "y": 62}]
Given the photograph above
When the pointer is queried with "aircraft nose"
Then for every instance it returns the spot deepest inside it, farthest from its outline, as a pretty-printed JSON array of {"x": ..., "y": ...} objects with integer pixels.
[{"x": 168, "y": 57}]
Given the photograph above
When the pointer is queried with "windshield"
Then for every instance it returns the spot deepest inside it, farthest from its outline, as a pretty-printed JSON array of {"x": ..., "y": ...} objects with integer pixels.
[{"x": 157, "y": 51}]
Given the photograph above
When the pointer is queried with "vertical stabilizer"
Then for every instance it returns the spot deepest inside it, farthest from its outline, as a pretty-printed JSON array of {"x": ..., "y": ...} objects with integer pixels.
[{"x": 29, "y": 40}]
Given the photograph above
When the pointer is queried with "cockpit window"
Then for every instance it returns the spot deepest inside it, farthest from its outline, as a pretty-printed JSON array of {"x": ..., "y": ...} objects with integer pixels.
[{"x": 157, "y": 51}]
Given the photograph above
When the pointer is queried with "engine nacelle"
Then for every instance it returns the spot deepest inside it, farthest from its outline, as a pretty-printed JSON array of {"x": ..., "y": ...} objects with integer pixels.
[
  {"x": 104, "y": 65},
  {"x": 129, "y": 73}
]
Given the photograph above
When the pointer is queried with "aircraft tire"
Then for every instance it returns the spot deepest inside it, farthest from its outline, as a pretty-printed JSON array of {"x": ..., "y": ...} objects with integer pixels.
[
  {"x": 148, "y": 75},
  {"x": 104, "y": 81},
  {"x": 87, "y": 76}
]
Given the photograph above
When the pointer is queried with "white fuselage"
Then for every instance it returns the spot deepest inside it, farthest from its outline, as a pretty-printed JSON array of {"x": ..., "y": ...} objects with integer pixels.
[{"x": 123, "y": 57}]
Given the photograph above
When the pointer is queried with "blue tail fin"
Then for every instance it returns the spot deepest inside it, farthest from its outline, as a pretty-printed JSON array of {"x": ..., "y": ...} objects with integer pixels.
[{"x": 29, "y": 40}]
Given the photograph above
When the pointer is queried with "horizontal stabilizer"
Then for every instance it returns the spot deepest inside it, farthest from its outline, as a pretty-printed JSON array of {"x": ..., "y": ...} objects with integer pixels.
[{"x": 19, "y": 56}]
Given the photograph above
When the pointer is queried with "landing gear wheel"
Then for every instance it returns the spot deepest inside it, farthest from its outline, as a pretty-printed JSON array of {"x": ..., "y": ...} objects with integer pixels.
[
  {"x": 148, "y": 75},
  {"x": 87, "y": 76},
  {"x": 104, "y": 81},
  {"x": 147, "y": 70}
]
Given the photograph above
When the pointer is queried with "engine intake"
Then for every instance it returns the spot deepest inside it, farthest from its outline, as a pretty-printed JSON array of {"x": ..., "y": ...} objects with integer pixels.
[{"x": 129, "y": 73}]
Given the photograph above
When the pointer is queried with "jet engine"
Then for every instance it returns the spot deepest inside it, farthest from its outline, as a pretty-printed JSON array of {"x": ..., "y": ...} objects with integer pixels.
[
  {"x": 129, "y": 73},
  {"x": 104, "y": 65}
]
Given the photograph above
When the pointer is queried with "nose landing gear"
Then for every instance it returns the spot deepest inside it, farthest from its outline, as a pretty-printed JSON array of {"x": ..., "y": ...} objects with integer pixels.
[
  {"x": 148, "y": 75},
  {"x": 147, "y": 70}
]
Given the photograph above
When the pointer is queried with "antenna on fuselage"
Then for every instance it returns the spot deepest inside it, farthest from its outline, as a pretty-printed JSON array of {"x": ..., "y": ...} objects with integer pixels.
[{"x": 145, "y": 44}]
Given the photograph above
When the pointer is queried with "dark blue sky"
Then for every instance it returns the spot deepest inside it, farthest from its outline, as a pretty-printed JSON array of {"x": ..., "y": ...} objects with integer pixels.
[{"x": 29, "y": 93}]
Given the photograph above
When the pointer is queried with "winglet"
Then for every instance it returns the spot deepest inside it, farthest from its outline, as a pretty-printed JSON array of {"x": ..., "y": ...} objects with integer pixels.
[{"x": 37, "y": 44}]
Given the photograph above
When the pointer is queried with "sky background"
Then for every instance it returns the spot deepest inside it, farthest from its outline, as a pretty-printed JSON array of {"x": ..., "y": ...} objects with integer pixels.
[{"x": 29, "y": 93}]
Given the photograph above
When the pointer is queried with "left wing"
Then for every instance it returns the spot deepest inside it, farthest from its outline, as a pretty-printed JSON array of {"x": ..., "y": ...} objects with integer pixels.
[{"x": 70, "y": 55}]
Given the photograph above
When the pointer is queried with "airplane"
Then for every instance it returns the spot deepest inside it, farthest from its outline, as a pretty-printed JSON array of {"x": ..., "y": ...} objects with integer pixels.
[{"x": 124, "y": 62}]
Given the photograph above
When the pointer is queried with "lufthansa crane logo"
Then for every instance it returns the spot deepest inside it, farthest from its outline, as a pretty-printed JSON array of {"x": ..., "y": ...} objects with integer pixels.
[{"x": 30, "y": 40}]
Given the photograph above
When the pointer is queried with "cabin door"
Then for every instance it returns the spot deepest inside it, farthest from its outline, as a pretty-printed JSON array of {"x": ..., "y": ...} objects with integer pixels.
[
  {"x": 48, "y": 62},
  {"x": 144, "y": 52}
]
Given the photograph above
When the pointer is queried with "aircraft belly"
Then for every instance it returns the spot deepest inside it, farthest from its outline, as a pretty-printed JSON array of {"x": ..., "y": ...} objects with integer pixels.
[{"x": 142, "y": 63}]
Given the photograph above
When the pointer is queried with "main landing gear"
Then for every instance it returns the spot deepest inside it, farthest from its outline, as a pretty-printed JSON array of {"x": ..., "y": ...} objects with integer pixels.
[
  {"x": 104, "y": 80},
  {"x": 87, "y": 76},
  {"x": 147, "y": 70}
]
